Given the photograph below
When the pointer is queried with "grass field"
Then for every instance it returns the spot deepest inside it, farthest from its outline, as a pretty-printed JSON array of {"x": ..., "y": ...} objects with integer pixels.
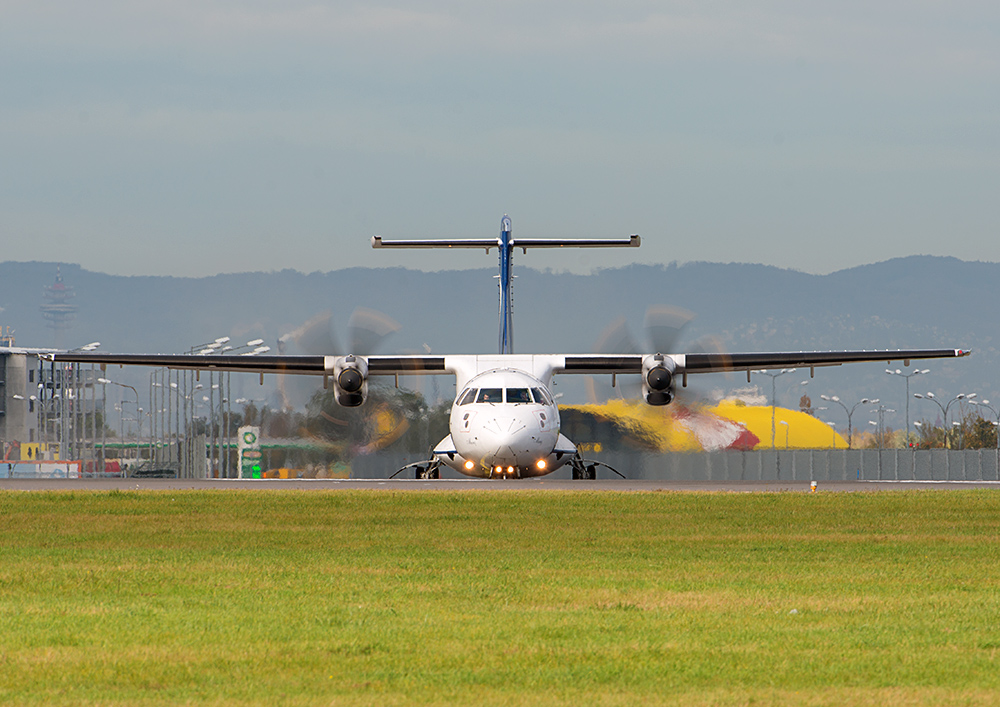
[{"x": 374, "y": 598}]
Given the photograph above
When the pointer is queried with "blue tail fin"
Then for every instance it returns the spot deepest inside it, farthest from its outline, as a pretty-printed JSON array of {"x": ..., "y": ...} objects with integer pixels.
[{"x": 505, "y": 246}]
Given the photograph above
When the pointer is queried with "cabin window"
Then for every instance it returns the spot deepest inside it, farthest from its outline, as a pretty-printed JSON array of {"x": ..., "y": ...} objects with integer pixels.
[
  {"x": 490, "y": 395},
  {"x": 541, "y": 396},
  {"x": 468, "y": 397},
  {"x": 518, "y": 395}
]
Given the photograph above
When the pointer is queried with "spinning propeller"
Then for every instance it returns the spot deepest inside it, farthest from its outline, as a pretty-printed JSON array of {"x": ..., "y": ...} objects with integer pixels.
[
  {"x": 366, "y": 329},
  {"x": 663, "y": 327}
]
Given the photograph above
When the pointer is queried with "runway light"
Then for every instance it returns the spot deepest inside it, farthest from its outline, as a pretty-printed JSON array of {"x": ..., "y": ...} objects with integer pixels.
[
  {"x": 540, "y": 464},
  {"x": 469, "y": 465}
]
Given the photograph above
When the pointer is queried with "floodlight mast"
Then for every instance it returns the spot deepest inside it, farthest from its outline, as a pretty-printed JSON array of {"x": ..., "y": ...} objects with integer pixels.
[
  {"x": 138, "y": 420},
  {"x": 945, "y": 408},
  {"x": 774, "y": 377},
  {"x": 907, "y": 376},
  {"x": 850, "y": 412}
]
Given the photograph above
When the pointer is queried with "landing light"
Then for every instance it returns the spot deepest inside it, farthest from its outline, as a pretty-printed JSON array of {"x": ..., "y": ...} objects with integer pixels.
[
  {"x": 540, "y": 464},
  {"x": 499, "y": 469},
  {"x": 510, "y": 470},
  {"x": 469, "y": 465}
]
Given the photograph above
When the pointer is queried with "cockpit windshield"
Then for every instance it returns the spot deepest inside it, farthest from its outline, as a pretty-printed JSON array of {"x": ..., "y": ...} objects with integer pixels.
[
  {"x": 500, "y": 395},
  {"x": 490, "y": 395},
  {"x": 518, "y": 395},
  {"x": 541, "y": 396}
]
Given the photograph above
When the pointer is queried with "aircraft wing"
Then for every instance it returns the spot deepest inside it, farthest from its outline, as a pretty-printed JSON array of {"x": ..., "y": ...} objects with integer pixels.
[
  {"x": 721, "y": 362},
  {"x": 591, "y": 364},
  {"x": 717, "y": 362},
  {"x": 307, "y": 365}
]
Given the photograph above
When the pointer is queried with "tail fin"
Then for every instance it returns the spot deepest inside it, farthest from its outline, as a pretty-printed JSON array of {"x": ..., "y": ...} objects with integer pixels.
[{"x": 505, "y": 246}]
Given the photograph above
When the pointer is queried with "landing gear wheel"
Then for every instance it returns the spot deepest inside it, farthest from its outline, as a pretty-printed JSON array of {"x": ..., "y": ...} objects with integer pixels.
[
  {"x": 587, "y": 468},
  {"x": 430, "y": 469},
  {"x": 422, "y": 472}
]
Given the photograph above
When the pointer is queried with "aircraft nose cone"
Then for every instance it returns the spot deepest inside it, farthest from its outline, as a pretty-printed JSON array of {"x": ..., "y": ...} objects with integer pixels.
[
  {"x": 502, "y": 435},
  {"x": 503, "y": 428}
]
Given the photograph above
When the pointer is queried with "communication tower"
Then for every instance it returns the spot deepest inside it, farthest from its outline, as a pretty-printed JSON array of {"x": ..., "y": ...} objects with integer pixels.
[{"x": 57, "y": 308}]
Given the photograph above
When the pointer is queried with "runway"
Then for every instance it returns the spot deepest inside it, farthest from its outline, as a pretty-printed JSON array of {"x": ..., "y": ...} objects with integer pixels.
[{"x": 459, "y": 485}]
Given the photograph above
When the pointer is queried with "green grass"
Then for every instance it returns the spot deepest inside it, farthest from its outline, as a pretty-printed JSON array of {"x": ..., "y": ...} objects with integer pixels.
[{"x": 375, "y": 598}]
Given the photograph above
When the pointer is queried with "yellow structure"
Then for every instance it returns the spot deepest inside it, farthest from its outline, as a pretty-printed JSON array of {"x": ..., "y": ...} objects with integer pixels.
[
  {"x": 726, "y": 426},
  {"x": 800, "y": 431},
  {"x": 32, "y": 451}
]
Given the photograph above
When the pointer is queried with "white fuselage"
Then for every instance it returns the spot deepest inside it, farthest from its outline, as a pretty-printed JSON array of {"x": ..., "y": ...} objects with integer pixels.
[{"x": 504, "y": 423}]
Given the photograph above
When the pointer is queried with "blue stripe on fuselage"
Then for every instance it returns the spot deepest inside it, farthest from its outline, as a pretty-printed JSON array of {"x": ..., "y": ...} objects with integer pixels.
[{"x": 506, "y": 250}]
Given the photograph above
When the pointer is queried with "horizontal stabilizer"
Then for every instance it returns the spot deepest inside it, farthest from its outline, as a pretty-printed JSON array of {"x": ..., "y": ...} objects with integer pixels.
[
  {"x": 630, "y": 242},
  {"x": 522, "y": 243},
  {"x": 487, "y": 243}
]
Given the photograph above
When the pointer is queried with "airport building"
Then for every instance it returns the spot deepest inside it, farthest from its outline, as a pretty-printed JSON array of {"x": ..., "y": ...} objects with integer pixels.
[
  {"x": 18, "y": 410},
  {"x": 28, "y": 425},
  {"x": 54, "y": 414}
]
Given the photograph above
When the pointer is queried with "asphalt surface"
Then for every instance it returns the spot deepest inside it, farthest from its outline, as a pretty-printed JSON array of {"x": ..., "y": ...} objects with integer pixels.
[{"x": 479, "y": 485}]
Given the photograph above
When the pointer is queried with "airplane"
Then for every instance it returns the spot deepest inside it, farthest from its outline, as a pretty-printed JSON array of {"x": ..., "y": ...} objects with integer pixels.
[{"x": 504, "y": 421}]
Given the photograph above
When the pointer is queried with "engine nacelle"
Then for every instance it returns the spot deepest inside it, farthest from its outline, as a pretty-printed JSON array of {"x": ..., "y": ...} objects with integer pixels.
[
  {"x": 658, "y": 379},
  {"x": 350, "y": 380}
]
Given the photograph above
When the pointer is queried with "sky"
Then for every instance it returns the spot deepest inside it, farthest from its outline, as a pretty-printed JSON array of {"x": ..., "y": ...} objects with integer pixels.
[{"x": 193, "y": 137}]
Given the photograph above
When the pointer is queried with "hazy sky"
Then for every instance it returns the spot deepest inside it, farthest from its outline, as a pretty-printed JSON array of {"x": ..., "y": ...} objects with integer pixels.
[{"x": 191, "y": 137}]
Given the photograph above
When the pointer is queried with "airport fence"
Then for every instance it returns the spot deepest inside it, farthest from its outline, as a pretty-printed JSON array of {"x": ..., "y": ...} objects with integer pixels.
[
  {"x": 769, "y": 465},
  {"x": 812, "y": 465}
]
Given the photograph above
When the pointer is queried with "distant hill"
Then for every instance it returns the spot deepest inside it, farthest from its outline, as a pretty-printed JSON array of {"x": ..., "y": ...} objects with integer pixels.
[{"x": 918, "y": 301}]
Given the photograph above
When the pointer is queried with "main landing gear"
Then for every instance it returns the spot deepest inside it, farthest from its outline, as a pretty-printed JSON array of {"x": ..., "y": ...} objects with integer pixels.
[
  {"x": 587, "y": 468},
  {"x": 430, "y": 469}
]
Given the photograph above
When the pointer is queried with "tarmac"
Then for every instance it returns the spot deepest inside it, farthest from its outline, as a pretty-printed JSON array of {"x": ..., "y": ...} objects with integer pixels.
[{"x": 458, "y": 485}]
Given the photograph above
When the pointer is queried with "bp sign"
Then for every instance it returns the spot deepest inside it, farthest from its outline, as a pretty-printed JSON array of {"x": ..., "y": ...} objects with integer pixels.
[{"x": 251, "y": 460}]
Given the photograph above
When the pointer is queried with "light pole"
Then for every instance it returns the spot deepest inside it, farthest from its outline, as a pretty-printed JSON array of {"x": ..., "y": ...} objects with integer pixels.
[
  {"x": 880, "y": 425},
  {"x": 218, "y": 430},
  {"x": 945, "y": 408},
  {"x": 995, "y": 423},
  {"x": 210, "y": 346},
  {"x": 907, "y": 376},
  {"x": 880, "y": 431},
  {"x": 774, "y": 378},
  {"x": 786, "y": 434},
  {"x": 850, "y": 412},
  {"x": 138, "y": 425},
  {"x": 173, "y": 420}
]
